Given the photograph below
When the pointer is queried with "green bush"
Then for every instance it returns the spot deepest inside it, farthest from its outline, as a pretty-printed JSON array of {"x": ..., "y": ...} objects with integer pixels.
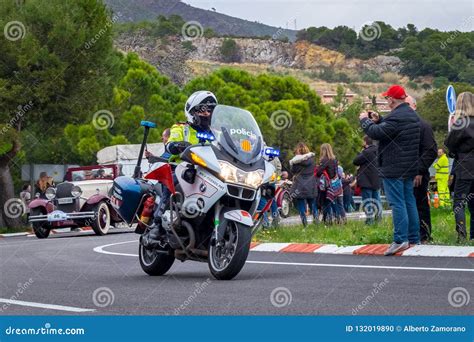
[
  {"x": 413, "y": 85},
  {"x": 371, "y": 76},
  {"x": 330, "y": 75},
  {"x": 230, "y": 51},
  {"x": 440, "y": 82}
]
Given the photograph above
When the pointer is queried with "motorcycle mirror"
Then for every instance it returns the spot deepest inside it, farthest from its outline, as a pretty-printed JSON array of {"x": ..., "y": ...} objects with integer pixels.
[{"x": 148, "y": 124}]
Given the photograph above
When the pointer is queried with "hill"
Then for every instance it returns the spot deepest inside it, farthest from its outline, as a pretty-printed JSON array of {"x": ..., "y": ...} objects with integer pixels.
[{"x": 222, "y": 24}]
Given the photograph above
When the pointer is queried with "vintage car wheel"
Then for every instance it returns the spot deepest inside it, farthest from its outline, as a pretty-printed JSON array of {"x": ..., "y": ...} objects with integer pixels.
[
  {"x": 101, "y": 222},
  {"x": 40, "y": 229}
]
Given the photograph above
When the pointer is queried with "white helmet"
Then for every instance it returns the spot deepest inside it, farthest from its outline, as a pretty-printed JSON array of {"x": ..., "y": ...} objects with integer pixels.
[{"x": 199, "y": 98}]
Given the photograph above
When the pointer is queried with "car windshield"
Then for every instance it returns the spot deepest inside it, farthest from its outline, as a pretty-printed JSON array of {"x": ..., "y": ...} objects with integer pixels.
[
  {"x": 237, "y": 132},
  {"x": 96, "y": 173}
]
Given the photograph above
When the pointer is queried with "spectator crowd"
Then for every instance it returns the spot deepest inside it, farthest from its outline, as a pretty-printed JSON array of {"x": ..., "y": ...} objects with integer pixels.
[{"x": 397, "y": 153}]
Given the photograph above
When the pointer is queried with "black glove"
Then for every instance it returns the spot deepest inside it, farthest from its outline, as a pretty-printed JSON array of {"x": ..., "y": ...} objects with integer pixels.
[{"x": 177, "y": 147}]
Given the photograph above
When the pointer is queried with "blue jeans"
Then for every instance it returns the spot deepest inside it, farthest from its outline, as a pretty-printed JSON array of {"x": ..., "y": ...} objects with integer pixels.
[
  {"x": 371, "y": 204},
  {"x": 273, "y": 208},
  {"x": 338, "y": 208},
  {"x": 301, "y": 206},
  {"x": 347, "y": 199},
  {"x": 327, "y": 209},
  {"x": 406, "y": 225}
]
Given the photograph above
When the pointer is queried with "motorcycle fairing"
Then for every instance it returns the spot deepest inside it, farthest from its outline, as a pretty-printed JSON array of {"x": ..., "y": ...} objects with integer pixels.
[
  {"x": 240, "y": 216},
  {"x": 204, "y": 192}
]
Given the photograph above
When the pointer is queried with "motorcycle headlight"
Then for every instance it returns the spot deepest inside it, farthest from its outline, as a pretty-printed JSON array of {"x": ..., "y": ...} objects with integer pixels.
[
  {"x": 228, "y": 172},
  {"x": 231, "y": 174},
  {"x": 254, "y": 178},
  {"x": 50, "y": 193},
  {"x": 76, "y": 191}
]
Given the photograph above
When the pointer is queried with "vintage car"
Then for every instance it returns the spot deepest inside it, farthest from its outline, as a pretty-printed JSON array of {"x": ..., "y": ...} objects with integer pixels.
[{"x": 81, "y": 200}]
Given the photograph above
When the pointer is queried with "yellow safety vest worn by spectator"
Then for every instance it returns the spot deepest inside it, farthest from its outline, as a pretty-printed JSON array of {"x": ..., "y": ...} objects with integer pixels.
[
  {"x": 182, "y": 132},
  {"x": 442, "y": 177}
]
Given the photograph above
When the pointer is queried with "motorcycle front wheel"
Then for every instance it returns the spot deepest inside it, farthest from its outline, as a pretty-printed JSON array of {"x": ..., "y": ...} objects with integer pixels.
[
  {"x": 153, "y": 261},
  {"x": 285, "y": 205},
  {"x": 228, "y": 256}
]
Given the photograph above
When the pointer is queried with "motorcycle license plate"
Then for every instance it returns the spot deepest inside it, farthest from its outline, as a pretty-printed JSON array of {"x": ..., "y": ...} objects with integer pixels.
[{"x": 57, "y": 215}]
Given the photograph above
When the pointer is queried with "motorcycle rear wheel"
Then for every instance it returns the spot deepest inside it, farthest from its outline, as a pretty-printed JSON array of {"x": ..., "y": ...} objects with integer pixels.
[{"x": 153, "y": 262}]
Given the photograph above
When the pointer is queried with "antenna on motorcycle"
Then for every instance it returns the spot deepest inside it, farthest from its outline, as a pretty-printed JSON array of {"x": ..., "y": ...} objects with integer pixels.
[{"x": 147, "y": 125}]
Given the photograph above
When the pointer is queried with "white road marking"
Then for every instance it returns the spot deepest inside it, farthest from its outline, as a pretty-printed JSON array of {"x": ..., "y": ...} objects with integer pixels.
[
  {"x": 100, "y": 249},
  {"x": 44, "y": 306},
  {"x": 363, "y": 266}
]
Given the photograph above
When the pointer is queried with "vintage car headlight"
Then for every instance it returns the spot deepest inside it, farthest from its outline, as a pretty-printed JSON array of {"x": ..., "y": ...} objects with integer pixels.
[
  {"x": 76, "y": 191},
  {"x": 229, "y": 173},
  {"x": 50, "y": 193}
]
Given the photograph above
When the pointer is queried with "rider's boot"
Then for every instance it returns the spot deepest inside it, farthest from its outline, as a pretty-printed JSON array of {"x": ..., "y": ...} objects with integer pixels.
[{"x": 154, "y": 237}]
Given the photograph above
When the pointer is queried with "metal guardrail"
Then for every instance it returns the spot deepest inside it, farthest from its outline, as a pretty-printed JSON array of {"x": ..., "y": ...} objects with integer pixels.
[{"x": 358, "y": 199}]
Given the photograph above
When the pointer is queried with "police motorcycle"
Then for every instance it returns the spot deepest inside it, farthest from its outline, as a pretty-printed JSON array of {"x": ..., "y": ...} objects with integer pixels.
[{"x": 212, "y": 212}]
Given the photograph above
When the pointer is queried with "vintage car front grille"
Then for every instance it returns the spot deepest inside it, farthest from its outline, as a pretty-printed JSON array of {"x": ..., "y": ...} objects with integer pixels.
[
  {"x": 63, "y": 191},
  {"x": 241, "y": 192}
]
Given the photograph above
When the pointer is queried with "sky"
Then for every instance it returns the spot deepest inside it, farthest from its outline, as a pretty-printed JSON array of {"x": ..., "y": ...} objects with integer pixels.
[{"x": 440, "y": 14}]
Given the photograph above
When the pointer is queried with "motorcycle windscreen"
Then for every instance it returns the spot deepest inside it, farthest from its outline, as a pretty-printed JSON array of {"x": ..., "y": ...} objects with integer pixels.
[{"x": 236, "y": 130}]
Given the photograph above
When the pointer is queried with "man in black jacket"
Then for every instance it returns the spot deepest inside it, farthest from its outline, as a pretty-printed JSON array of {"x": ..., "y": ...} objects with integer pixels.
[
  {"x": 369, "y": 181},
  {"x": 428, "y": 154},
  {"x": 399, "y": 139}
]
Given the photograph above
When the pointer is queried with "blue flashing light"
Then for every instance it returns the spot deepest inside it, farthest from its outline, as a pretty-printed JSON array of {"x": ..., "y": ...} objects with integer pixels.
[
  {"x": 205, "y": 136},
  {"x": 272, "y": 152}
]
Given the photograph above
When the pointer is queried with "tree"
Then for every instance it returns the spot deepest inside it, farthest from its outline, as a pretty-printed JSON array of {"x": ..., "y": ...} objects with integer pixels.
[
  {"x": 287, "y": 110},
  {"x": 57, "y": 59},
  {"x": 230, "y": 51},
  {"x": 426, "y": 52},
  {"x": 141, "y": 94}
]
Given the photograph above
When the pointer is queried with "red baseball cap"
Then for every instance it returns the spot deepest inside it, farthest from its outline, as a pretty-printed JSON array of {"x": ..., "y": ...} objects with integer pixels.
[{"x": 396, "y": 91}]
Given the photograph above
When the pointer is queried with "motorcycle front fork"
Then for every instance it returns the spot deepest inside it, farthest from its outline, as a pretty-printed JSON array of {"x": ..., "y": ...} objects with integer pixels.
[{"x": 217, "y": 215}]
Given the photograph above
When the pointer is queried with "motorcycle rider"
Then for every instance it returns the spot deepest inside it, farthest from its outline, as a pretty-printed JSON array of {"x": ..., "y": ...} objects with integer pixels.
[{"x": 198, "y": 110}]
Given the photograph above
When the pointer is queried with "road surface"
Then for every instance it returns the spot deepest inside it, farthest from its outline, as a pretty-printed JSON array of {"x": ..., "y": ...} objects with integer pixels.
[{"x": 93, "y": 275}]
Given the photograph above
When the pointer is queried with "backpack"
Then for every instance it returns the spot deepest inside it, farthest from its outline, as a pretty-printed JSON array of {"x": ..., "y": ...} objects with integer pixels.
[
  {"x": 324, "y": 182},
  {"x": 336, "y": 182},
  {"x": 336, "y": 186}
]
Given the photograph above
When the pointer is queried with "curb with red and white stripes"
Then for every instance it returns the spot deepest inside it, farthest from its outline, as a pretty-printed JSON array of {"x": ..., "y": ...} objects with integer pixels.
[
  {"x": 378, "y": 249},
  {"x": 375, "y": 249}
]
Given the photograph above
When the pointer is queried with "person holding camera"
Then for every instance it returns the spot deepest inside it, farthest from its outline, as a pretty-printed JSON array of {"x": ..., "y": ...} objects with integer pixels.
[{"x": 398, "y": 135}]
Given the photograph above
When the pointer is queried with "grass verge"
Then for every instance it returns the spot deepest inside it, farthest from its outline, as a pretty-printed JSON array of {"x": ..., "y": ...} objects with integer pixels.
[{"x": 357, "y": 233}]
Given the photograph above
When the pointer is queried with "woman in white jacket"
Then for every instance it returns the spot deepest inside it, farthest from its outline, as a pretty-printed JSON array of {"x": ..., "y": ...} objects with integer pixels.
[{"x": 304, "y": 189}]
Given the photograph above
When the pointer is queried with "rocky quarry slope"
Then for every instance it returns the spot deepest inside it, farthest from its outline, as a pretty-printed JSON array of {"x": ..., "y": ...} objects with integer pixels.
[{"x": 172, "y": 58}]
